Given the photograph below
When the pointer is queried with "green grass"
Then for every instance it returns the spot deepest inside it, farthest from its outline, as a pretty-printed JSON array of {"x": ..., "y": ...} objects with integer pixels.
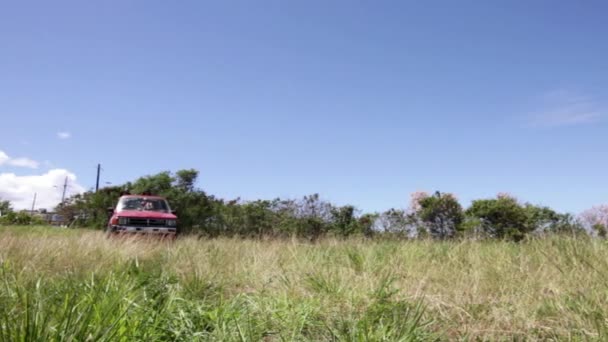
[{"x": 58, "y": 284}]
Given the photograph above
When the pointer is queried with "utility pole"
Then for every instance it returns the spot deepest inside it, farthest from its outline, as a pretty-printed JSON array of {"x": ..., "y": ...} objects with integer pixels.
[
  {"x": 98, "y": 171},
  {"x": 34, "y": 203},
  {"x": 65, "y": 185}
]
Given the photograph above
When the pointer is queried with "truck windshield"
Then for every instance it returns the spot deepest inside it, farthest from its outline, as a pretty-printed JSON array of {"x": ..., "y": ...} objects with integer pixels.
[{"x": 143, "y": 204}]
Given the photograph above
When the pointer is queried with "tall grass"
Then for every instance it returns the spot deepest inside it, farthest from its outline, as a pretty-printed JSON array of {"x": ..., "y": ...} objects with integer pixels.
[{"x": 77, "y": 285}]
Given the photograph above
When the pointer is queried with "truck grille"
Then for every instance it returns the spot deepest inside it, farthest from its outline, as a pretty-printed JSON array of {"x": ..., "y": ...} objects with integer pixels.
[{"x": 143, "y": 222}]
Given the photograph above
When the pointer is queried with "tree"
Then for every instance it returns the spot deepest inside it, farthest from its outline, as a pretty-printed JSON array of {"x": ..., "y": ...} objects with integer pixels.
[
  {"x": 441, "y": 214},
  {"x": 600, "y": 230},
  {"x": 7, "y": 215},
  {"x": 344, "y": 221},
  {"x": 540, "y": 218},
  {"x": 312, "y": 206},
  {"x": 595, "y": 220},
  {"x": 415, "y": 199},
  {"x": 158, "y": 184},
  {"x": 313, "y": 216},
  {"x": 366, "y": 224},
  {"x": 185, "y": 179},
  {"x": 546, "y": 220},
  {"x": 502, "y": 217},
  {"x": 5, "y": 207},
  {"x": 90, "y": 209},
  {"x": 395, "y": 221}
]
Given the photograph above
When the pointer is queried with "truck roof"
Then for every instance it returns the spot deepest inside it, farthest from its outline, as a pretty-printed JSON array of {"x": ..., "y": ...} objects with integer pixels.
[{"x": 146, "y": 196}]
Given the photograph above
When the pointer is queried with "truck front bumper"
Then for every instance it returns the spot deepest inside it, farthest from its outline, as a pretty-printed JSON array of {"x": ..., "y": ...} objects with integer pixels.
[{"x": 144, "y": 230}]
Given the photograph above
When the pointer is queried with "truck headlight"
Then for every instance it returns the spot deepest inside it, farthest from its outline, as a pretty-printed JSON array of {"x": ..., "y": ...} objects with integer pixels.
[
  {"x": 171, "y": 223},
  {"x": 122, "y": 221}
]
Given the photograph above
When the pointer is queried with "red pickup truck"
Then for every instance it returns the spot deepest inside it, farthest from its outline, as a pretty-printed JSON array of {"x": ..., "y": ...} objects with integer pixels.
[{"x": 142, "y": 214}]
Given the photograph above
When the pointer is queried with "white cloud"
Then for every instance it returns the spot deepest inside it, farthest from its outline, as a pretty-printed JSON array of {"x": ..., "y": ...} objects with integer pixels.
[
  {"x": 64, "y": 135},
  {"x": 565, "y": 108},
  {"x": 19, "y": 190},
  {"x": 18, "y": 162}
]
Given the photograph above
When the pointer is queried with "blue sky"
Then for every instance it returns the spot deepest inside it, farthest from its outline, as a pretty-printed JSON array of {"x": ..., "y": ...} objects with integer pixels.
[{"x": 363, "y": 102}]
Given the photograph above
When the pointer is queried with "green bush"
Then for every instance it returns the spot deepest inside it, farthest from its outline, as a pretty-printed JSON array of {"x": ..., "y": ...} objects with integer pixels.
[{"x": 21, "y": 219}]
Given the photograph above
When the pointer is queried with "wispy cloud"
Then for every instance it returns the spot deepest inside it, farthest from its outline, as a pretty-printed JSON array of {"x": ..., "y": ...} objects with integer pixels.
[
  {"x": 565, "y": 108},
  {"x": 64, "y": 135},
  {"x": 17, "y": 162},
  {"x": 24, "y": 162}
]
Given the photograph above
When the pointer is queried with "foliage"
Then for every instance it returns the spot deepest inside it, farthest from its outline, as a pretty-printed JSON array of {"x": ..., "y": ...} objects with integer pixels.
[
  {"x": 600, "y": 230},
  {"x": 21, "y": 218},
  {"x": 203, "y": 214},
  {"x": 343, "y": 220},
  {"x": 441, "y": 215},
  {"x": 595, "y": 219},
  {"x": 5, "y": 207},
  {"x": 502, "y": 217},
  {"x": 395, "y": 222},
  {"x": 546, "y": 220},
  {"x": 90, "y": 209}
]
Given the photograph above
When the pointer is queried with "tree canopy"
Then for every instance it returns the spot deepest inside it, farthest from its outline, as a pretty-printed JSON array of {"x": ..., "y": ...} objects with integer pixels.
[{"x": 437, "y": 216}]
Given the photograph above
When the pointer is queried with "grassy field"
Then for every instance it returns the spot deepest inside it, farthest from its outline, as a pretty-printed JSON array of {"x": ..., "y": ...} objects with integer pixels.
[{"x": 58, "y": 284}]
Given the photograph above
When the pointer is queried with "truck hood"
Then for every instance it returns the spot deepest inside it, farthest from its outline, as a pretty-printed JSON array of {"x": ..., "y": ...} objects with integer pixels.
[{"x": 146, "y": 214}]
